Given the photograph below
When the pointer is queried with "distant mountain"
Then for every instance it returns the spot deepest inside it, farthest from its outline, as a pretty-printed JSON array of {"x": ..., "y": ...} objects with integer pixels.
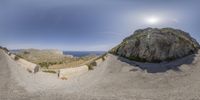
[
  {"x": 38, "y": 56},
  {"x": 51, "y": 51},
  {"x": 156, "y": 45}
]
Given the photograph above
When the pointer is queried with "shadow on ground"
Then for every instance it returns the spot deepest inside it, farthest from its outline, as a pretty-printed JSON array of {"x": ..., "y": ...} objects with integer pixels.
[{"x": 160, "y": 67}]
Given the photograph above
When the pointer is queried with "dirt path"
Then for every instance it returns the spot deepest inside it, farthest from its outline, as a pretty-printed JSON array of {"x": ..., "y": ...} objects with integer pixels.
[{"x": 9, "y": 88}]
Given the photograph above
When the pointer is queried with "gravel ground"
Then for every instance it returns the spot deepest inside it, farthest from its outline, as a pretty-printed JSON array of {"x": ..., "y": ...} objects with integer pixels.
[{"x": 114, "y": 79}]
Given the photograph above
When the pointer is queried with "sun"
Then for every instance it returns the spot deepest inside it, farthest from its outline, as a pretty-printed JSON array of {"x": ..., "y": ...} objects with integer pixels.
[{"x": 152, "y": 20}]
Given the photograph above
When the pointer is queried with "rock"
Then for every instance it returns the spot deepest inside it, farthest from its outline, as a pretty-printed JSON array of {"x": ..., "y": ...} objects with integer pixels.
[
  {"x": 156, "y": 45},
  {"x": 5, "y": 49}
]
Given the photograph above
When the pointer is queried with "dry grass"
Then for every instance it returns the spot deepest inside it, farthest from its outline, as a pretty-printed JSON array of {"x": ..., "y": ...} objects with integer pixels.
[
  {"x": 76, "y": 62},
  {"x": 48, "y": 60},
  {"x": 39, "y": 57}
]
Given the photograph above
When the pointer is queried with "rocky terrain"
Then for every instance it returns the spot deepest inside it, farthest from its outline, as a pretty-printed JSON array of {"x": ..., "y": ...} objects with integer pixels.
[
  {"x": 156, "y": 45},
  {"x": 114, "y": 79}
]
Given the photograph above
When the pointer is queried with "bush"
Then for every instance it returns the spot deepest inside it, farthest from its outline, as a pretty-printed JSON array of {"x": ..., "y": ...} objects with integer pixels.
[
  {"x": 26, "y": 52},
  {"x": 49, "y": 71},
  {"x": 44, "y": 65},
  {"x": 9, "y": 54},
  {"x": 91, "y": 65},
  {"x": 16, "y": 58},
  {"x": 61, "y": 62},
  {"x": 47, "y": 64}
]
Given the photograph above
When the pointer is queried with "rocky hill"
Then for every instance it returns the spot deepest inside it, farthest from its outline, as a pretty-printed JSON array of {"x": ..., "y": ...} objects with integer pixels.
[{"x": 156, "y": 45}]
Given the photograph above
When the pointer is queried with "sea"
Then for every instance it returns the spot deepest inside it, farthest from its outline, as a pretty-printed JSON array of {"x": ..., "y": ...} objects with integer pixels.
[
  {"x": 76, "y": 53},
  {"x": 83, "y": 53}
]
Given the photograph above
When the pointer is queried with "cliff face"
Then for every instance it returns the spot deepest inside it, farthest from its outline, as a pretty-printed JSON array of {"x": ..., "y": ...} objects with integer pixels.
[{"x": 156, "y": 45}]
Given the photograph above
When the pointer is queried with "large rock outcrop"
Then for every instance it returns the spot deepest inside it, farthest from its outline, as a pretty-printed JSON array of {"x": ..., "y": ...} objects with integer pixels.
[{"x": 156, "y": 45}]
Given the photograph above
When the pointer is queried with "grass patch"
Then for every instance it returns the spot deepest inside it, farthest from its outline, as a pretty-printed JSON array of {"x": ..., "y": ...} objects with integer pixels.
[
  {"x": 49, "y": 71},
  {"x": 47, "y": 64}
]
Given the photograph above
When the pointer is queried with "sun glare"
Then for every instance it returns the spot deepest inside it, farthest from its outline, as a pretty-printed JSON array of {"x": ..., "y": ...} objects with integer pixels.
[{"x": 152, "y": 20}]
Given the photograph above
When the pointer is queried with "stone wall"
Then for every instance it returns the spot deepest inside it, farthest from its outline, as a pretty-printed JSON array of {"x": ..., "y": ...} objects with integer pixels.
[
  {"x": 72, "y": 72},
  {"x": 30, "y": 67},
  {"x": 67, "y": 73},
  {"x": 98, "y": 61}
]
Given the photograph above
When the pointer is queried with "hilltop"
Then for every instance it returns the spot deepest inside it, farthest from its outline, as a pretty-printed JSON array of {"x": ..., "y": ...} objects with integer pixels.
[{"x": 157, "y": 45}]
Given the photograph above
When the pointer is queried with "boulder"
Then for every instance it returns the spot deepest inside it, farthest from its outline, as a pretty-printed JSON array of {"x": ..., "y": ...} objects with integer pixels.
[{"x": 157, "y": 45}]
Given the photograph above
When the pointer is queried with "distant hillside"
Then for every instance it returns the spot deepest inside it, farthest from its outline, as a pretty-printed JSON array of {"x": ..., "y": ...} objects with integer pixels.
[
  {"x": 51, "y": 58},
  {"x": 38, "y": 56},
  {"x": 51, "y": 51}
]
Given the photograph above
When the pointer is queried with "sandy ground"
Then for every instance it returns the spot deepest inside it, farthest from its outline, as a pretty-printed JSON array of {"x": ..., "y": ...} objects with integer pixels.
[{"x": 114, "y": 79}]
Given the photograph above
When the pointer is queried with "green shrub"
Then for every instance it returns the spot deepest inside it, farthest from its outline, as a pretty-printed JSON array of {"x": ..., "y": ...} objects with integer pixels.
[
  {"x": 91, "y": 65},
  {"x": 60, "y": 62},
  {"x": 16, "y": 58},
  {"x": 44, "y": 65},
  {"x": 26, "y": 52},
  {"x": 47, "y": 64},
  {"x": 49, "y": 71}
]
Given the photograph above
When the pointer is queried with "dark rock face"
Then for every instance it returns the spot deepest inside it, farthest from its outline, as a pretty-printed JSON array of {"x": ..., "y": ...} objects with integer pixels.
[
  {"x": 156, "y": 45},
  {"x": 4, "y": 48}
]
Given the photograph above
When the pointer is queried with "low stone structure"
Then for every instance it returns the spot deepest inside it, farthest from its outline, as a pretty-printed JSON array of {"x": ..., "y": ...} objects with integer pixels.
[
  {"x": 72, "y": 72},
  {"x": 30, "y": 67},
  {"x": 12, "y": 56},
  {"x": 67, "y": 73},
  {"x": 98, "y": 61},
  {"x": 104, "y": 57}
]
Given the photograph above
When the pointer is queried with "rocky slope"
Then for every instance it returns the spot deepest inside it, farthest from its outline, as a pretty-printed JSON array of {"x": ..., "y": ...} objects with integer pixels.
[{"x": 156, "y": 45}]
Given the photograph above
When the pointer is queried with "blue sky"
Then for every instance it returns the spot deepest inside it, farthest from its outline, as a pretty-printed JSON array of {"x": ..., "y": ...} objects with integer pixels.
[{"x": 89, "y": 25}]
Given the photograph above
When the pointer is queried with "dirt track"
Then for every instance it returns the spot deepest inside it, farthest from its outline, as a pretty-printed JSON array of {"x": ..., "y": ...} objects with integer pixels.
[{"x": 114, "y": 79}]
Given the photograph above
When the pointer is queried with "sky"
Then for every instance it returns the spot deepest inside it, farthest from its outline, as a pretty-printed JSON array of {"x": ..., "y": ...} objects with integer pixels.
[{"x": 89, "y": 25}]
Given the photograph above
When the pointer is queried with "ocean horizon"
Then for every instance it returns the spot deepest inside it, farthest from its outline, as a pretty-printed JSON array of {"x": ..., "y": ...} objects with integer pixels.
[{"x": 83, "y": 53}]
